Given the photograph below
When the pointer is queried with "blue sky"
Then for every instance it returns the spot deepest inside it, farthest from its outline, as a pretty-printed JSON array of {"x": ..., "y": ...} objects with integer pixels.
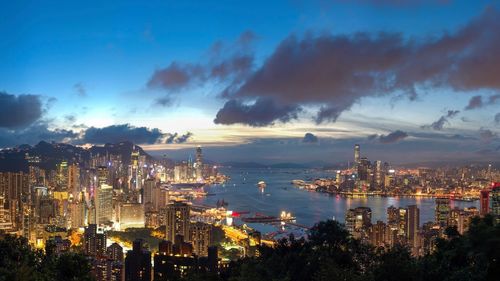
[{"x": 90, "y": 64}]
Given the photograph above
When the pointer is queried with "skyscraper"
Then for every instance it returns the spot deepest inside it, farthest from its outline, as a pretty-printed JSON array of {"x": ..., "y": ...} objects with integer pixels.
[
  {"x": 356, "y": 155},
  {"x": 177, "y": 220},
  {"x": 199, "y": 164},
  {"x": 200, "y": 234},
  {"x": 484, "y": 202},
  {"x": 138, "y": 263},
  {"x": 412, "y": 224},
  {"x": 495, "y": 200},
  {"x": 104, "y": 204},
  {"x": 442, "y": 211}
]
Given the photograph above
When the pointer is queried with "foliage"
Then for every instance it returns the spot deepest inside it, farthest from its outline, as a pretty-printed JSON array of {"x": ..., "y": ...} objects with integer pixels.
[
  {"x": 331, "y": 254},
  {"x": 18, "y": 261}
]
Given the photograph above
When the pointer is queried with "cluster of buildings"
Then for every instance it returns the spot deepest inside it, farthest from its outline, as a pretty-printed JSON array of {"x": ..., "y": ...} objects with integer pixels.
[
  {"x": 403, "y": 224},
  {"x": 377, "y": 178},
  {"x": 78, "y": 203}
]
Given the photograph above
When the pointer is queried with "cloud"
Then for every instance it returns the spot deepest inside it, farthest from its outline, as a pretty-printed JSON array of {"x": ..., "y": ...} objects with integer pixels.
[
  {"x": 438, "y": 125},
  {"x": 80, "y": 89},
  {"x": 310, "y": 138},
  {"x": 477, "y": 102},
  {"x": 224, "y": 61},
  {"x": 163, "y": 101},
  {"x": 392, "y": 137},
  {"x": 176, "y": 138},
  {"x": 262, "y": 112},
  {"x": 336, "y": 71},
  {"x": 33, "y": 134},
  {"x": 70, "y": 118},
  {"x": 19, "y": 111},
  {"x": 123, "y": 132},
  {"x": 486, "y": 135}
]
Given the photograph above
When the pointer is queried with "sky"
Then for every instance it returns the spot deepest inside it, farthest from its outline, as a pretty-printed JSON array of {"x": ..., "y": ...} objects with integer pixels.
[{"x": 264, "y": 81}]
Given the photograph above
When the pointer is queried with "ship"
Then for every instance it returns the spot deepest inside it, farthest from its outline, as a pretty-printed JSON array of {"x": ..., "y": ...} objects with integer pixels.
[{"x": 261, "y": 184}]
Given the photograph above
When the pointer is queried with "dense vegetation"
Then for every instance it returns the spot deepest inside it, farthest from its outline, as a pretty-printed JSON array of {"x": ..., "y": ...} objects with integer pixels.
[
  {"x": 19, "y": 262},
  {"x": 328, "y": 254}
]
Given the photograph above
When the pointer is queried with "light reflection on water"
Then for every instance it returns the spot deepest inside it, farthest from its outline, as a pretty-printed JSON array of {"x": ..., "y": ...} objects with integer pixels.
[{"x": 242, "y": 194}]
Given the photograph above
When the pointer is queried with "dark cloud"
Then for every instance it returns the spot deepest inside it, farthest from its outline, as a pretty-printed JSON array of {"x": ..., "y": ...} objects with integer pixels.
[
  {"x": 70, "y": 118},
  {"x": 176, "y": 138},
  {"x": 33, "y": 134},
  {"x": 80, "y": 89},
  {"x": 233, "y": 62},
  {"x": 164, "y": 101},
  {"x": 124, "y": 132},
  {"x": 19, "y": 111},
  {"x": 310, "y": 138},
  {"x": 393, "y": 137},
  {"x": 438, "y": 125},
  {"x": 337, "y": 71},
  {"x": 262, "y": 112},
  {"x": 497, "y": 118},
  {"x": 175, "y": 76},
  {"x": 487, "y": 135},
  {"x": 475, "y": 102}
]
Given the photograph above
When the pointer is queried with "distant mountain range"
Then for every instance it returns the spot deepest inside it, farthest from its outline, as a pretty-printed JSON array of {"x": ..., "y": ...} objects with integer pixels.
[{"x": 13, "y": 159}]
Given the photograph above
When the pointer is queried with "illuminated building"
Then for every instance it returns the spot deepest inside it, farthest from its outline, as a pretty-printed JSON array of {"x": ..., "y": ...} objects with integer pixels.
[
  {"x": 138, "y": 263},
  {"x": 357, "y": 220},
  {"x": 77, "y": 214},
  {"x": 442, "y": 210},
  {"x": 200, "y": 234},
  {"x": 379, "y": 174},
  {"x": 131, "y": 215},
  {"x": 104, "y": 204},
  {"x": 102, "y": 175},
  {"x": 484, "y": 201},
  {"x": 356, "y": 156},
  {"x": 149, "y": 189},
  {"x": 62, "y": 175},
  {"x": 199, "y": 164},
  {"x": 412, "y": 225},
  {"x": 378, "y": 234},
  {"x": 73, "y": 179},
  {"x": 495, "y": 200},
  {"x": 177, "y": 220},
  {"x": 94, "y": 241}
]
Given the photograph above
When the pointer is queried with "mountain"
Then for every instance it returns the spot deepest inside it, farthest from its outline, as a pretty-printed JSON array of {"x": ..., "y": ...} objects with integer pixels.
[{"x": 14, "y": 159}]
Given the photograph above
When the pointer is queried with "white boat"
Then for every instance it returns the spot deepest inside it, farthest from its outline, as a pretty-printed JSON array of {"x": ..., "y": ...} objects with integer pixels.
[{"x": 261, "y": 184}]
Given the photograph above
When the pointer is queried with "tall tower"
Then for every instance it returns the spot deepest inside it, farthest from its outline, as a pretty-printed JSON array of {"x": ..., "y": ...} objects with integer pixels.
[
  {"x": 104, "y": 204},
  {"x": 356, "y": 155},
  {"x": 199, "y": 164},
  {"x": 412, "y": 224},
  {"x": 177, "y": 220},
  {"x": 442, "y": 211}
]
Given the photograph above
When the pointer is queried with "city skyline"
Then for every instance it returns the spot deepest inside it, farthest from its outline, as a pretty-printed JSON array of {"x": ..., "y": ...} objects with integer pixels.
[{"x": 410, "y": 81}]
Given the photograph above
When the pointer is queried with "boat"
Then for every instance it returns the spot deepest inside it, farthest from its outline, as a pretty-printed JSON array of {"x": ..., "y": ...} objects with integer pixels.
[{"x": 261, "y": 184}]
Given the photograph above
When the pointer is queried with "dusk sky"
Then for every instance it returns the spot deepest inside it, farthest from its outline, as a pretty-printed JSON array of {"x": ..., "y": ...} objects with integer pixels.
[{"x": 264, "y": 81}]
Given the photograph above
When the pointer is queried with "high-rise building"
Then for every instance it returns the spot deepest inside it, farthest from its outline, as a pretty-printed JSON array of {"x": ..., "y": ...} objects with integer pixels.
[
  {"x": 358, "y": 220},
  {"x": 177, "y": 220},
  {"x": 94, "y": 241},
  {"x": 104, "y": 204},
  {"x": 357, "y": 155},
  {"x": 200, "y": 234},
  {"x": 138, "y": 263},
  {"x": 62, "y": 176},
  {"x": 442, "y": 211},
  {"x": 495, "y": 200},
  {"x": 484, "y": 202},
  {"x": 412, "y": 225},
  {"x": 102, "y": 175},
  {"x": 199, "y": 164}
]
